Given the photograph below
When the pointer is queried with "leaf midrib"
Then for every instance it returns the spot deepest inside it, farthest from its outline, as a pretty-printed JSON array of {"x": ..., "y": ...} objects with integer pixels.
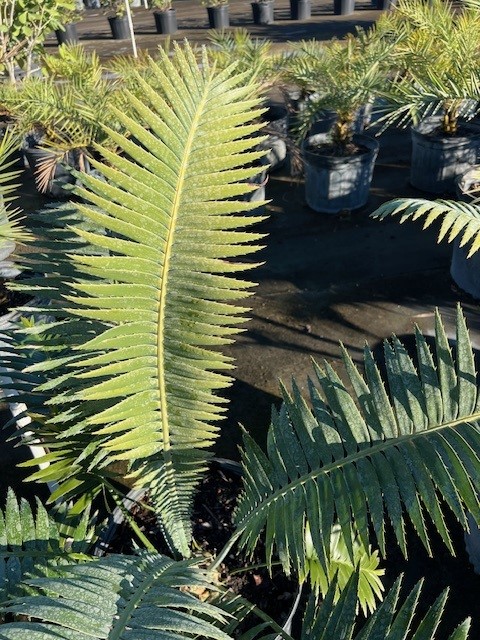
[
  {"x": 350, "y": 459},
  {"x": 164, "y": 288}
]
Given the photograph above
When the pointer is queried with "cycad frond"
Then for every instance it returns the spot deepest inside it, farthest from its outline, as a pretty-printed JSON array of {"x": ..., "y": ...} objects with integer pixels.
[
  {"x": 117, "y": 597},
  {"x": 142, "y": 385},
  {"x": 459, "y": 219},
  {"x": 366, "y": 457},
  {"x": 392, "y": 620},
  {"x": 34, "y": 544}
]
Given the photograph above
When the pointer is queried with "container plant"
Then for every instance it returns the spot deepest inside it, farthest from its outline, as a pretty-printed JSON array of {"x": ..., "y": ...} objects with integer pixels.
[
  {"x": 339, "y": 164},
  {"x": 218, "y": 13},
  {"x": 165, "y": 16},
  {"x": 436, "y": 88},
  {"x": 127, "y": 367},
  {"x": 263, "y": 11},
  {"x": 118, "y": 22},
  {"x": 66, "y": 33},
  {"x": 300, "y": 9},
  {"x": 60, "y": 114}
]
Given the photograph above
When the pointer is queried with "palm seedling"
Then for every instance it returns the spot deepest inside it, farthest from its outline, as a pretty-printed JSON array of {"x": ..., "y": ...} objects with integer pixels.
[{"x": 437, "y": 57}]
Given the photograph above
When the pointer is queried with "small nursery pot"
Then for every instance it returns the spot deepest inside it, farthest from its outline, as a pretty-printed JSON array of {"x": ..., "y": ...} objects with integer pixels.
[
  {"x": 438, "y": 160},
  {"x": 67, "y": 35},
  {"x": 466, "y": 271},
  {"x": 119, "y": 27},
  {"x": 334, "y": 184},
  {"x": 276, "y": 128},
  {"x": 300, "y": 9},
  {"x": 218, "y": 17},
  {"x": 166, "y": 21},
  {"x": 263, "y": 12},
  {"x": 343, "y": 7}
]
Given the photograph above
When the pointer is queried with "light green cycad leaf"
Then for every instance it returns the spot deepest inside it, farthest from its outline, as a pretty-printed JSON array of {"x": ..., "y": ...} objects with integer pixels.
[
  {"x": 154, "y": 299},
  {"x": 369, "y": 456},
  {"x": 393, "y": 620},
  {"x": 459, "y": 220},
  {"x": 36, "y": 543},
  {"x": 117, "y": 598},
  {"x": 342, "y": 567}
]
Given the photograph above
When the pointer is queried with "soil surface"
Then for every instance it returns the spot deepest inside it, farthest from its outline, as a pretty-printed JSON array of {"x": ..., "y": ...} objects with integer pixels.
[{"x": 332, "y": 150}]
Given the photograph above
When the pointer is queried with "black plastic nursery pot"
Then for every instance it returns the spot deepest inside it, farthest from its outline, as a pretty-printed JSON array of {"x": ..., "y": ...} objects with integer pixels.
[
  {"x": 263, "y": 12},
  {"x": 276, "y": 119},
  {"x": 119, "y": 27},
  {"x": 166, "y": 21},
  {"x": 300, "y": 9},
  {"x": 385, "y": 5},
  {"x": 437, "y": 160},
  {"x": 465, "y": 271},
  {"x": 343, "y": 7},
  {"x": 218, "y": 17},
  {"x": 67, "y": 35},
  {"x": 335, "y": 183}
]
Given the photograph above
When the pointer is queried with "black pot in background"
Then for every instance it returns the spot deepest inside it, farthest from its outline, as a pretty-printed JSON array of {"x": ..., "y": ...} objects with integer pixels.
[
  {"x": 438, "y": 160},
  {"x": 386, "y": 5},
  {"x": 218, "y": 16},
  {"x": 262, "y": 12},
  {"x": 119, "y": 27},
  {"x": 336, "y": 183},
  {"x": 67, "y": 35},
  {"x": 166, "y": 21},
  {"x": 343, "y": 7},
  {"x": 300, "y": 9}
]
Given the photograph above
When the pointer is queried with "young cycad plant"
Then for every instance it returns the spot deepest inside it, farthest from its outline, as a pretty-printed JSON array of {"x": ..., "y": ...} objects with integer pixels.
[
  {"x": 367, "y": 457},
  {"x": 137, "y": 377}
]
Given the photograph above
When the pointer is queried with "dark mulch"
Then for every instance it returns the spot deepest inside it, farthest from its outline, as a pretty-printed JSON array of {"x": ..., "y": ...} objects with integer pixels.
[
  {"x": 212, "y": 528},
  {"x": 333, "y": 150}
]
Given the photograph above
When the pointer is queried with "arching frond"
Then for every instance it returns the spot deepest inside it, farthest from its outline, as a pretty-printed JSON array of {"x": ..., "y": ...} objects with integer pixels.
[
  {"x": 459, "y": 219},
  {"x": 34, "y": 543},
  {"x": 117, "y": 597},
  {"x": 153, "y": 299},
  {"x": 369, "y": 456}
]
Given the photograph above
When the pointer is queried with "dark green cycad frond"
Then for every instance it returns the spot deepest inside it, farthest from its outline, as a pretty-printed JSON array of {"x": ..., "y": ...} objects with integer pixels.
[
  {"x": 366, "y": 457},
  {"x": 391, "y": 621},
  {"x": 117, "y": 597},
  {"x": 459, "y": 219},
  {"x": 36, "y": 543}
]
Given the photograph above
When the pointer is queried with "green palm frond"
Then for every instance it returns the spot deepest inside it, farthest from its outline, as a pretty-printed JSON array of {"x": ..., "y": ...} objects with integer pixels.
[
  {"x": 366, "y": 457},
  {"x": 393, "y": 620},
  {"x": 37, "y": 543},
  {"x": 141, "y": 386},
  {"x": 458, "y": 219},
  {"x": 117, "y": 597}
]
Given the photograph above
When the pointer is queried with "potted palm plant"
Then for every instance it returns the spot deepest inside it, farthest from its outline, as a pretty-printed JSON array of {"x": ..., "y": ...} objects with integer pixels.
[
  {"x": 436, "y": 88},
  {"x": 165, "y": 16},
  {"x": 217, "y": 11},
  {"x": 339, "y": 164}
]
